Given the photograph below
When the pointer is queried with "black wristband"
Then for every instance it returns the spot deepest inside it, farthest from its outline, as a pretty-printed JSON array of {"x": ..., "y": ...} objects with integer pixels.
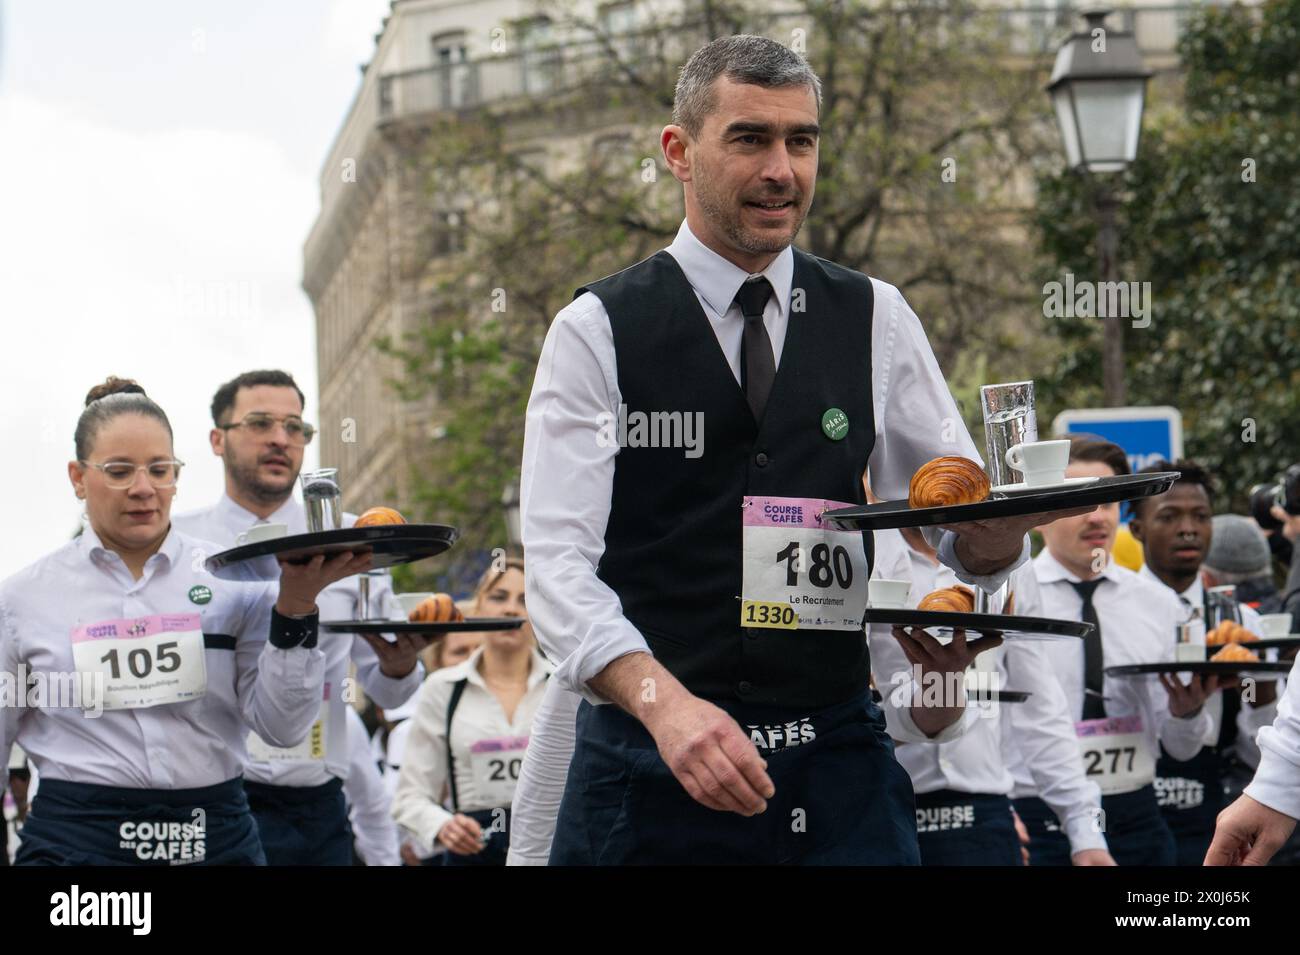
[{"x": 290, "y": 632}]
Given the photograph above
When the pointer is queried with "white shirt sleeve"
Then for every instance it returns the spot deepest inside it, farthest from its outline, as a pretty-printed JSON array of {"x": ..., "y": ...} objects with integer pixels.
[
  {"x": 565, "y": 490},
  {"x": 1045, "y": 736},
  {"x": 536, "y": 805},
  {"x": 917, "y": 419},
  {"x": 1277, "y": 781},
  {"x": 279, "y": 690},
  {"x": 372, "y": 823},
  {"x": 424, "y": 767}
]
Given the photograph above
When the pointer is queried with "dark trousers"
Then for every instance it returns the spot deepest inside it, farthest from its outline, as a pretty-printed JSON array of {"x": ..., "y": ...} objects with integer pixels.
[
  {"x": 1136, "y": 833},
  {"x": 85, "y": 824},
  {"x": 302, "y": 825},
  {"x": 841, "y": 797},
  {"x": 956, "y": 828},
  {"x": 1190, "y": 794}
]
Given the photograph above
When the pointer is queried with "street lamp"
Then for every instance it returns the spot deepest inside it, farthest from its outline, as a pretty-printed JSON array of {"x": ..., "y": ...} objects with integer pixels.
[
  {"x": 510, "y": 503},
  {"x": 1098, "y": 90}
]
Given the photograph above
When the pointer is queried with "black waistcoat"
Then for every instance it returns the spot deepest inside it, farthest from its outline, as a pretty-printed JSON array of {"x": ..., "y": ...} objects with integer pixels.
[{"x": 673, "y": 541}]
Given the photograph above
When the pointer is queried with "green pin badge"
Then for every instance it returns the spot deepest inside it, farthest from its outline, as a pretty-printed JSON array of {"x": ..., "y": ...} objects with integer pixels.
[
  {"x": 835, "y": 423},
  {"x": 200, "y": 594}
]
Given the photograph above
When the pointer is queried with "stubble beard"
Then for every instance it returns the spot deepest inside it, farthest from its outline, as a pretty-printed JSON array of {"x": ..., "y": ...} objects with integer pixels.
[
  {"x": 726, "y": 219},
  {"x": 246, "y": 479}
]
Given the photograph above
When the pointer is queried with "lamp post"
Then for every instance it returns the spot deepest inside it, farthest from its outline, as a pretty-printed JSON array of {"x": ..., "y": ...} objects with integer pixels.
[{"x": 1098, "y": 90}]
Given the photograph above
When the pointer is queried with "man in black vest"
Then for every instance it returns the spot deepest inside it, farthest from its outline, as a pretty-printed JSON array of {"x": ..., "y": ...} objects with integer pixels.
[{"x": 691, "y": 418}]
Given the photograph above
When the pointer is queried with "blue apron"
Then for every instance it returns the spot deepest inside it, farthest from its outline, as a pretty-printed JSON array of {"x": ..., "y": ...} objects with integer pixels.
[
  {"x": 86, "y": 824},
  {"x": 302, "y": 825},
  {"x": 956, "y": 828},
  {"x": 841, "y": 797},
  {"x": 1136, "y": 833}
]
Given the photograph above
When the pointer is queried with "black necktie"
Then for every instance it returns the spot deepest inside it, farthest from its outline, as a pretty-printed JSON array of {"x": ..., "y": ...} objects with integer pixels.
[
  {"x": 1093, "y": 707},
  {"x": 757, "y": 367}
]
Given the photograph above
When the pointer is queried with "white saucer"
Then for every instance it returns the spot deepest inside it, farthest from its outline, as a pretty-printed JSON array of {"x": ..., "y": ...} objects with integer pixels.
[{"x": 1057, "y": 486}]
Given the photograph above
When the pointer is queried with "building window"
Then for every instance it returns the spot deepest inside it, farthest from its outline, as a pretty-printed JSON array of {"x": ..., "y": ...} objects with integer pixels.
[
  {"x": 448, "y": 233},
  {"x": 453, "y": 74},
  {"x": 540, "y": 57}
]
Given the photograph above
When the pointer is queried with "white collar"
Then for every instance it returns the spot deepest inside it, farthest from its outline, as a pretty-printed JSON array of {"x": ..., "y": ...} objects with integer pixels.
[
  {"x": 89, "y": 544},
  {"x": 1050, "y": 570},
  {"x": 1194, "y": 594},
  {"x": 234, "y": 514},
  {"x": 717, "y": 280},
  {"x": 539, "y": 668}
]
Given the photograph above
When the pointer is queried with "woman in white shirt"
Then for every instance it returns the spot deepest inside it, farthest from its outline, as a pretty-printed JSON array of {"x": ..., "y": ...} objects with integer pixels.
[
  {"x": 138, "y": 674},
  {"x": 469, "y": 734}
]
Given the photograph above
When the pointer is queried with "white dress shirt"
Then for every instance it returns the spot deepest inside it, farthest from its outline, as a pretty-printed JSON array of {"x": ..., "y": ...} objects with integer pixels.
[
  {"x": 536, "y": 806},
  {"x": 568, "y": 476},
  {"x": 369, "y": 805},
  {"x": 183, "y": 745},
  {"x": 417, "y": 806},
  {"x": 223, "y": 523},
  {"x": 974, "y": 760},
  {"x": 1249, "y": 718},
  {"x": 1138, "y": 621},
  {"x": 1277, "y": 780}
]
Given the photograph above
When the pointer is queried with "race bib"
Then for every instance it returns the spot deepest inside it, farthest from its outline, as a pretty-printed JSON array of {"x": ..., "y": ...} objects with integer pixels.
[
  {"x": 496, "y": 764},
  {"x": 314, "y": 746},
  {"x": 143, "y": 662},
  {"x": 800, "y": 573},
  {"x": 1115, "y": 754}
]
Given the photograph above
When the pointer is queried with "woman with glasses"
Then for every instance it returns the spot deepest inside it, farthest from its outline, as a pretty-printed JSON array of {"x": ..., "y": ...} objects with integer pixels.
[{"x": 137, "y": 675}]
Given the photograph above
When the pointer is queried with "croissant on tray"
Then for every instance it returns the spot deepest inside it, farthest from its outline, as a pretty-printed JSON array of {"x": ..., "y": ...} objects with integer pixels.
[
  {"x": 956, "y": 599},
  {"x": 946, "y": 481},
  {"x": 1229, "y": 631},
  {"x": 1235, "y": 653},
  {"x": 439, "y": 608}
]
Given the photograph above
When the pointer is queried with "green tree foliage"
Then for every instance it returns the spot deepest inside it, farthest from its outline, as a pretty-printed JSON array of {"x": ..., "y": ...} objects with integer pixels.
[{"x": 1212, "y": 221}]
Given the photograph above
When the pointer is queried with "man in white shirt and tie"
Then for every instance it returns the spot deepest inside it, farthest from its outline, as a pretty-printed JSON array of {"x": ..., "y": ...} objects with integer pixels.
[
  {"x": 751, "y": 383},
  {"x": 1176, "y": 530},
  {"x": 1122, "y": 721},
  {"x": 296, "y": 795}
]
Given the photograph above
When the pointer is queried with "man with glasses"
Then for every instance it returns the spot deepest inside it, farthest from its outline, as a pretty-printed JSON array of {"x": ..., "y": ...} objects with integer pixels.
[{"x": 297, "y": 794}]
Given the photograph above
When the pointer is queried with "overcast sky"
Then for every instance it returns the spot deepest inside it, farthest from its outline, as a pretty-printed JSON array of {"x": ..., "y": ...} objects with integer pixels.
[{"x": 158, "y": 176}]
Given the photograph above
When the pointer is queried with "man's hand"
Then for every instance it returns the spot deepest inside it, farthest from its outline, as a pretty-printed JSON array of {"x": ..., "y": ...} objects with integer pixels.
[
  {"x": 716, "y": 763},
  {"x": 1184, "y": 701},
  {"x": 1092, "y": 857},
  {"x": 1290, "y": 528},
  {"x": 941, "y": 661},
  {"x": 397, "y": 659},
  {"x": 1022, "y": 833},
  {"x": 1248, "y": 833},
  {"x": 985, "y": 547}
]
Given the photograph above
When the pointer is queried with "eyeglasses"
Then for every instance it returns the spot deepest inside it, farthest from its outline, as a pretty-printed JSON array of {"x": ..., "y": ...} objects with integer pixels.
[
  {"x": 261, "y": 424},
  {"x": 120, "y": 475}
]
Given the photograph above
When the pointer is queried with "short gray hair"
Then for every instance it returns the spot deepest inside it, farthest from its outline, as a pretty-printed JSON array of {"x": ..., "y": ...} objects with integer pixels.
[{"x": 744, "y": 58}]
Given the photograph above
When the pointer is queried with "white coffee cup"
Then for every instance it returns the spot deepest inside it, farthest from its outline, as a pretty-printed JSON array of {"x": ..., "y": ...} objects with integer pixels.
[
  {"x": 262, "y": 532},
  {"x": 1275, "y": 625},
  {"x": 888, "y": 594},
  {"x": 1041, "y": 462},
  {"x": 410, "y": 601}
]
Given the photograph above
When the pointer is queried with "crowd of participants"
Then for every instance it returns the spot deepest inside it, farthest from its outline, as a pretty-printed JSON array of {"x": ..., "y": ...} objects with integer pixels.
[{"x": 275, "y": 741}]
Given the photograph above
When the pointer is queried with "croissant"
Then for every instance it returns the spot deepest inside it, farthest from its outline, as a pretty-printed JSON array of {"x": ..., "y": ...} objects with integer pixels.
[
  {"x": 1229, "y": 631},
  {"x": 948, "y": 480},
  {"x": 439, "y": 608},
  {"x": 956, "y": 599},
  {"x": 1235, "y": 653},
  {"x": 379, "y": 515}
]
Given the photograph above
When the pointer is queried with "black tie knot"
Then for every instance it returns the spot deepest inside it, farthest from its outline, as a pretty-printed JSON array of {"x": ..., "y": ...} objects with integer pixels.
[
  {"x": 1086, "y": 588},
  {"x": 753, "y": 295}
]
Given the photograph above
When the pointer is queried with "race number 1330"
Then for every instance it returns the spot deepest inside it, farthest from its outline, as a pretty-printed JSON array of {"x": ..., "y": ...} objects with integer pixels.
[{"x": 800, "y": 573}]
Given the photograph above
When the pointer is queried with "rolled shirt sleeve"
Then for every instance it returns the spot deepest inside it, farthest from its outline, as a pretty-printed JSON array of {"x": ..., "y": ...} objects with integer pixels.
[{"x": 536, "y": 805}]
